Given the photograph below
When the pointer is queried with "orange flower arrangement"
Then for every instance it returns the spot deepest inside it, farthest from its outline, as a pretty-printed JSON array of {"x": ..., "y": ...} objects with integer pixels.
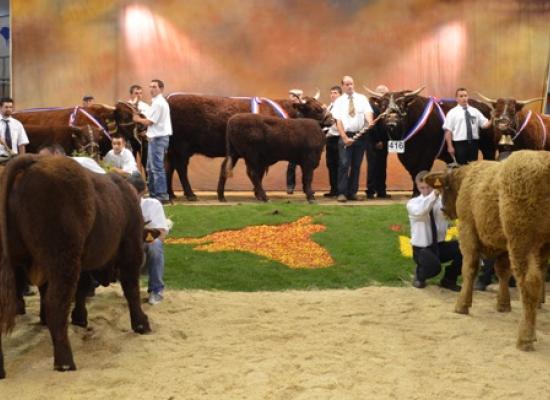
[{"x": 289, "y": 244}]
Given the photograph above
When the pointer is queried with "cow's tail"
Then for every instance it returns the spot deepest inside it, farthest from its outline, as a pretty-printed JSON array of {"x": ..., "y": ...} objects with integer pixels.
[{"x": 7, "y": 271}]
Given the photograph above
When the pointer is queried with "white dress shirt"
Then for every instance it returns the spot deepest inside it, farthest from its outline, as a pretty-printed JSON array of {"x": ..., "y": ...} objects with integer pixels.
[
  {"x": 18, "y": 135},
  {"x": 340, "y": 111},
  {"x": 159, "y": 115},
  {"x": 419, "y": 215},
  {"x": 455, "y": 121},
  {"x": 153, "y": 214},
  {"x": 332, "y": 131},
  {"x": 142, "y": 106},
  {"x": 124, "y": 161}
]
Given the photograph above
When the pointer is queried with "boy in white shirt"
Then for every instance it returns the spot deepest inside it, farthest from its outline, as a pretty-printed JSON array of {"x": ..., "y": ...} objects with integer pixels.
[
  {"x": 428, "y": 230},
  {"x": 153, "y": 215},
  {"x": 121, "y": 159}
]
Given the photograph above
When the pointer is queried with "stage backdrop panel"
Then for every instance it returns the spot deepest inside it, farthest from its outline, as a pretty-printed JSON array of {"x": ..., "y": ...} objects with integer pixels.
[{"x": 63, "y": 49}]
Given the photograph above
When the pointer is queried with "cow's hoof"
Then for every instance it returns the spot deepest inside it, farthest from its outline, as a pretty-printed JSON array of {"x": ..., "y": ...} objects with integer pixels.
[
  {"x": 79, "y": 322},
  {"x": 462, "y": 309},
  {"x": 142, "y": 328},
  {"x": 525, "y": 345},
  {"x": 64, "y": 367},
  {"x": 2, "y": 374},
  {"x": 191, "y": 197},
  {"x": 504, "y": 307},
  {"x": 222, "y": 199},
  {"x": 312, "y": 201}
]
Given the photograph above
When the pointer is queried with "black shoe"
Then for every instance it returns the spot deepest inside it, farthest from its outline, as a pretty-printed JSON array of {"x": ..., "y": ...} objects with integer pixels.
[
  {"x": 353, "y": 197},
  {"x": 289, "y": 191},
  {"x": 480, "y": 286},
  {"x": 384, "y": 196},
  {"x": 370, "y": 196},
  {"x": 166, "y": 201},
  {"x": 330, "y": 194},
  {"x": 418, "y": 284},
  {"x": 27, "y": 291},
  {"x": 445, "y": 284}
]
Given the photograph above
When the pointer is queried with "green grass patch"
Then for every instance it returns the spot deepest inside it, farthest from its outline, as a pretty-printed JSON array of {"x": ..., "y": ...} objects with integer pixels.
[{"x": 365, "y": 249}]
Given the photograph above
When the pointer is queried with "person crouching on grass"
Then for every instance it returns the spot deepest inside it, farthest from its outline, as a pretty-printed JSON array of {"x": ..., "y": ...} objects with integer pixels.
[
  {"x": 428, "y": 230},
  {"x": 153, "y": 215}
]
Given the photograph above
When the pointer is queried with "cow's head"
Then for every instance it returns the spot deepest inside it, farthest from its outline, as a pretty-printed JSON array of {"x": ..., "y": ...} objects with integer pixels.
[
  {"x": 447, "y": 183},
  {"x": 311, "y": 107},
  {"x": 393, "y": 108},
  {"x": 124, "y": 113},
  {"x": 504, "y": 113},
  {"x": 85, "y": 140}
]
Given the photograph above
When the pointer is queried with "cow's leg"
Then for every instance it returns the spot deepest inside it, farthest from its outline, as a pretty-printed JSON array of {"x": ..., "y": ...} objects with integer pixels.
[
  {"x": 2, "y": 371},
  {"x": 543, "y": 271},
  {"x": 130, "y": 261},
  {"x": 79, "y": 316},
  {"x": 180, "y": 161},
  {"x": 470, "y": 265},
  {"x": 20, "y": 285},
  {"x": 256, "y": 173},
  {"x": 223, "y": 177},
  {"x": 525, "y": 265},
  {"x": 307, "y": 179},
  {"x": 503, "y": 272},
  {"x": 61, "y": 291},
  {"x": 43, "y": 290}
]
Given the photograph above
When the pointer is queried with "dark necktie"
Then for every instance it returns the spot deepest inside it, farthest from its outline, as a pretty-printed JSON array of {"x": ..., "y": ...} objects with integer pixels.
[
  {"x": 469, "y": 134},
  {"x": 7, "y": 134},
  {"x": 434, "y": 229}
]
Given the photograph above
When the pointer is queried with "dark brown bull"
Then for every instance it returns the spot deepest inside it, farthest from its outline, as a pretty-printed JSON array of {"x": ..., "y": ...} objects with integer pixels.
[
  {"x": 72, "y": 139},
  {"x": 56, "y": 222},
  {"x": 515, "y": 128},
  {"x": 112, "y": 120},
  {"x": 402, "y": 110},
  {"x": 199, "y": 124},
  {"x": 263, "y": 140}
]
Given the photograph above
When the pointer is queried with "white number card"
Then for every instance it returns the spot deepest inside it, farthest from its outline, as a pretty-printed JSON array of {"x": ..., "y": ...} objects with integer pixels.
[{"x": 396, "y": 146}]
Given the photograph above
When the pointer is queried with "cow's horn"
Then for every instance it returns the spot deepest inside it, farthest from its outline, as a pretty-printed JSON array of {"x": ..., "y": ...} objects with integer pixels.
[
  {"x": 372, "y": 92},
  {"x": 486, "y": 99},
  {"x": 414, "y": 93},
  {"x": 317, "y": 95},
  {"x": 533, "y": 100}
]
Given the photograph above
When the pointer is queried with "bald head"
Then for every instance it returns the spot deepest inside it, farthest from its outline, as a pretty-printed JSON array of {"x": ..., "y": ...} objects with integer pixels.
[{"x": 347, "y": 84}]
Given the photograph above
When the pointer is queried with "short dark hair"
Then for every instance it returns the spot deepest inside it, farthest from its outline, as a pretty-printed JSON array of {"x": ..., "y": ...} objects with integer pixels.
[
  {"x": 118, "y": 136},
  {"x": 160, "y": 83},
  {"x": 88, "y": 98},
  {"x": 134, "y": 87},
  {"x": 336, "y": 88},
  {"x": 419, "y": 178},
  {"x": 461, "y": 89},
  {"x": 5, "y": 100},
  {"x": 137, "y": 182}
]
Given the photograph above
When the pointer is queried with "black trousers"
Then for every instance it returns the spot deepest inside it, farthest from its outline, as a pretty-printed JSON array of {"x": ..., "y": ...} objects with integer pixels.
[
  {"x": 428, "y": 261},
  {"x": 465, "y": 151},
  {"x": 331, "y": 158},
  {"x": 291, "y": 176},
  {"x": 377, "y": 161}
]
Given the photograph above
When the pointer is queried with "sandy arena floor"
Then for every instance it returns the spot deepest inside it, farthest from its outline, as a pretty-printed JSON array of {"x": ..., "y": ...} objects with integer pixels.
[{"x": 372, "y": 343}]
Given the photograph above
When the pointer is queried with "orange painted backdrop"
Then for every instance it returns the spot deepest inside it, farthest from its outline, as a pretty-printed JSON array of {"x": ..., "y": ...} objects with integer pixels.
[{"x": 63, "y": 49}]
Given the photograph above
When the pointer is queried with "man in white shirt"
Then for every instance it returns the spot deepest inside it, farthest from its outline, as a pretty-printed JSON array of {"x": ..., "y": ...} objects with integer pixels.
[
  {"x": 13, "y": 135},
  {"x": 136, "y": 95},
  {"x": 159, "y": 130},
  {"x": 154, "y": 218},
  {"x": 120, "y": 159},
  {"x": 331, "y": 154},
  {"x": 428, "y": 230},
  {"x": 352, "y": 112},
  {"x": 461, "y": 128}
]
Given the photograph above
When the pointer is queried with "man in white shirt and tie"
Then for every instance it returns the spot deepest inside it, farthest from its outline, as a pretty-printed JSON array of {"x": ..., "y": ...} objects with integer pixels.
[
  {"x": 461, "y": 128},
  {"x": 13, "y": 135},
  {"x": 159, "y": 130},
  {"x": 428, "y": 230},
  {"x": 352, "y": 112},
  {"x": 331, "y": 154}
]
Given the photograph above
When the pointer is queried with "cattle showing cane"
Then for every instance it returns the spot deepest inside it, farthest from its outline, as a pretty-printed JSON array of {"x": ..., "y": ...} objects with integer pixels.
[{"x": 59, "y": 223}]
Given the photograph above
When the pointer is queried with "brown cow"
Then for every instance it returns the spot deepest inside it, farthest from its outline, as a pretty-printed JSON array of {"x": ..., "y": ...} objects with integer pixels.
[
  {"x": 503, "y": 213},
  {"x": 199, "y": 124},
  {"x": 56, "y": 222},
  {"x": 262, "y": 141},
  {"x": 72, "y": 139},
  {"x": 509, "y": 117}
]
